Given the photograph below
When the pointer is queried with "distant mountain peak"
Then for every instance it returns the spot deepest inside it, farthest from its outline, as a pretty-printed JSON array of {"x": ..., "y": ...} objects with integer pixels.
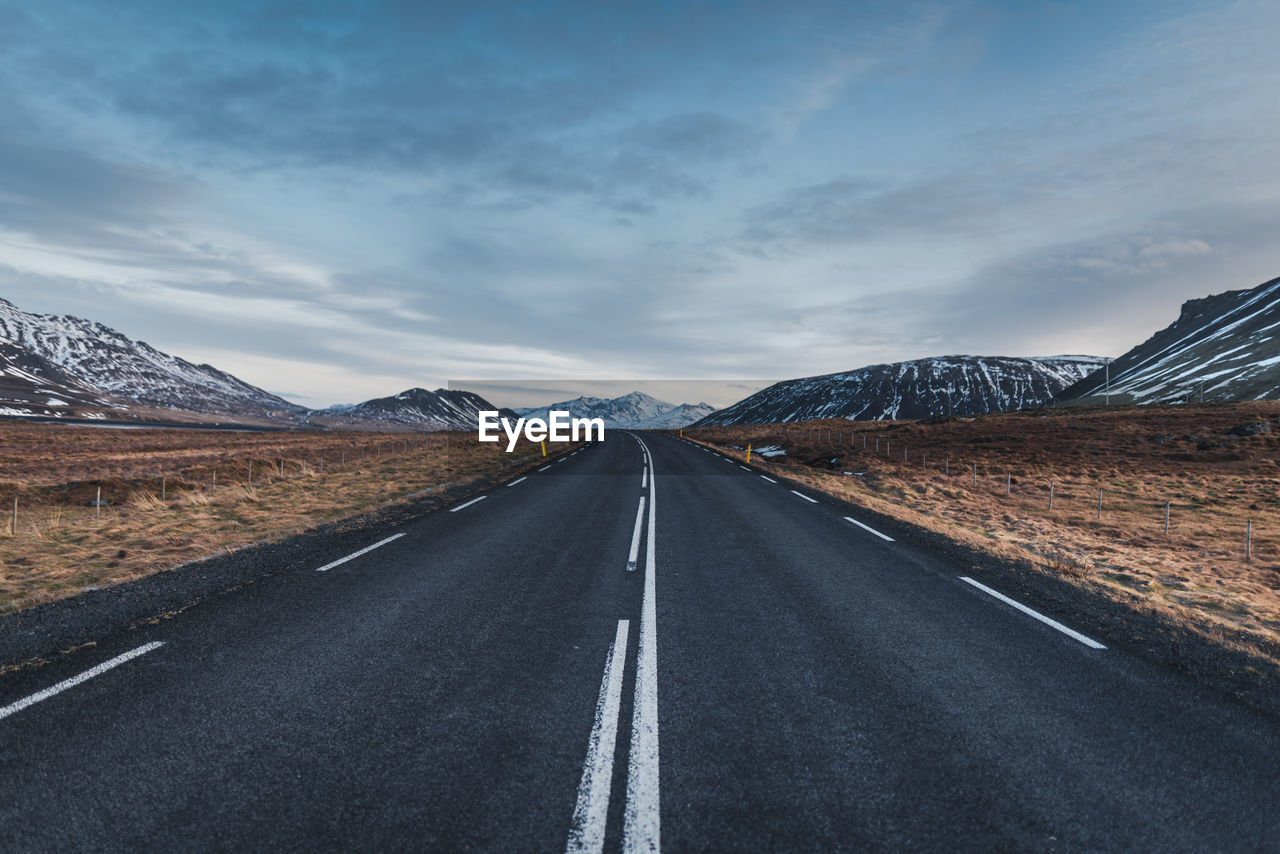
[
  {"x": 632, "y": 411},
  {"x": 414, "y": 408}
]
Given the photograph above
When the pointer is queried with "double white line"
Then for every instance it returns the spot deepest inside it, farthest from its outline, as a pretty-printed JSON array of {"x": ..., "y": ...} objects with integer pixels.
[{"x": 640, "y": 829}]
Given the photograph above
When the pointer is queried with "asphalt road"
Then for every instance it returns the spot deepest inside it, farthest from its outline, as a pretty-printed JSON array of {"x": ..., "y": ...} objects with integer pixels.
[{"x": 770, "y": 676}]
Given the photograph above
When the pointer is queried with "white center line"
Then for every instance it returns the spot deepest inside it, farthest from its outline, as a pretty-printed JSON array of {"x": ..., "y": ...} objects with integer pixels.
[
  {"x": 518, "y": 480},
  {"x": 744, "y": 467},
  {"x": 1087, "y": 641},
  {"x": 76, "y": 680},
  {"x": 868, "y": 528},
  {"x": 641, "y": 827},
  {"x": 635, "y": 538},
  {"x": 340, "y": 561},
  {"x": 468, "y": 504},
  {"x": 644, "y": 478},
  {"x": 544, "y": 468},
  {"x": 805, "y": 497},
  {"x": 586, "y": 835},
  {"x": 771, "y": 480}
]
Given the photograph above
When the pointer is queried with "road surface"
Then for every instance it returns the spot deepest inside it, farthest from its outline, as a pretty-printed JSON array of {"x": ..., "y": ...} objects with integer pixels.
[{"x": 644, "y": 646}]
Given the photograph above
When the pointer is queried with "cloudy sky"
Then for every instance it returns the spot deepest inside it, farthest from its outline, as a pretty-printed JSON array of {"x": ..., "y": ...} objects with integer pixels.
[{"x": 337, "y": 201}]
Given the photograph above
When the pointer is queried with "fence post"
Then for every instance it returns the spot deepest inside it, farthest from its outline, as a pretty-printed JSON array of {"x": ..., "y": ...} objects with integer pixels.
[
  {"x": 1050, "y": 495},
  {"x": 975, "y": 474},
  {"x": 1099, "y": 504},
  {"x": 97, "y": 505},
  {"x": 13, "y": 524},
  {"x": 1248, "y": 539},
  {"x": 1166, "y": 518},
  {"x": 1008, "y": 484},
  {"x": 948, "y": 469},
  {"x": 251, "y": 472},
  {"x": 163, "y": 484}
]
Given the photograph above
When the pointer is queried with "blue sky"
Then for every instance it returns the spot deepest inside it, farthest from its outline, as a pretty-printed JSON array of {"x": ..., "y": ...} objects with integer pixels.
[{"x": 337, "y": 201}]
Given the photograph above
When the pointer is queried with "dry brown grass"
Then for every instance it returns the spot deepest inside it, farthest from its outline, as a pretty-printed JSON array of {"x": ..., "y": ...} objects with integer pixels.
[
  {"x": 1140, "y": 458},
  {"x": 160, "y": 506}
]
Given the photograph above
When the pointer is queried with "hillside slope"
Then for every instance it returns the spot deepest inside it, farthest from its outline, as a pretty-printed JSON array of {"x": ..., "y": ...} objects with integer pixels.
[
  {"x": 1222, "y": 347},
  {"x": 92, "y": 359}
]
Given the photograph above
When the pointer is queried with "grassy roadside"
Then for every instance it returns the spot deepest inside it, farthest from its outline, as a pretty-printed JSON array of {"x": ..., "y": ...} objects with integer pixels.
[
  {"x": 1215, "y": 481},
  {"x": 261, "y": 493}
]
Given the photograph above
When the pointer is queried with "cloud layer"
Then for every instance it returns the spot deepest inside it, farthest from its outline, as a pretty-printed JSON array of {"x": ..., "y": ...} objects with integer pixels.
[{"x": 339, "y": 200}]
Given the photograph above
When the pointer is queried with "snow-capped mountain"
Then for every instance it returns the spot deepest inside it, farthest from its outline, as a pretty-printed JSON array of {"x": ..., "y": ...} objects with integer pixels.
[
  {"x": 947, "y": 385},
  {"x": 634, "y": 411},
  {"x": 1223, "y": 347},
  {"x": 95, "y": 365},
  {"x": 418, "y": 408},
  {"x": 678, "y": 416}
]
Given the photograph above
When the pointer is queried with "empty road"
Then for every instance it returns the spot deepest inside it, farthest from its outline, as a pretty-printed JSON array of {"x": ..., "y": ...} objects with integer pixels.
[{"x": 643, "y": 646}]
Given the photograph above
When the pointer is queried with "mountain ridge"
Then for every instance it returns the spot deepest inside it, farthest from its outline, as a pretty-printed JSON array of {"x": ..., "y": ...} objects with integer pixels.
[
  {"x": 124, "y": 372},
  {"x": 919, "y": 388},
  {"x": 441, "y": 409}
]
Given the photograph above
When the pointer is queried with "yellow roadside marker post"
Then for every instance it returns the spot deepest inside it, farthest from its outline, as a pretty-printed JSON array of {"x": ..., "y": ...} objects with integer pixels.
[
  {"x": 544, "y": 447},
  {"x": 748, "y": 453}
]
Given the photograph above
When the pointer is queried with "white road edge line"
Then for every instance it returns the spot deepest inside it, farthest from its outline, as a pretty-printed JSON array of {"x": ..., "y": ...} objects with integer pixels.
[
  {"x": 76, "y": 680},
  {"x": 644, "y": 478},
  {"x": 641, "y": 826},
  {"x": 1084, "y": 639},
  {"x": 340, "y": 561},
  {"x": 869, "y": 528},
  {"x": 635, "y": 538},
  {"x": 805, "y": 497},
  {"x": 771, "y": 480},
  {"x": 468, "y": 504},
  {"x": 590, "y": 816},
  {"x": 518, "y": 480}
]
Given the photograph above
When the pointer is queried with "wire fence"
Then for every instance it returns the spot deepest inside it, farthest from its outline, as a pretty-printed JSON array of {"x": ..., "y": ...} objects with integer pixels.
[
  {"x": 1233, "y": 509},
  {"x": 60, "y": 488}
]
